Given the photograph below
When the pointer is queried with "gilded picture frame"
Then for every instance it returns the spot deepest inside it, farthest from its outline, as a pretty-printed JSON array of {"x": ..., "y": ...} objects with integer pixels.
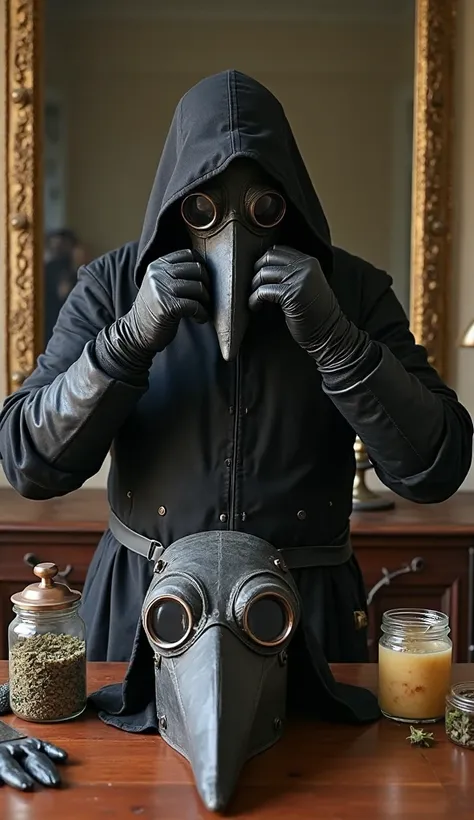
[{"x": 431, "y": 199}]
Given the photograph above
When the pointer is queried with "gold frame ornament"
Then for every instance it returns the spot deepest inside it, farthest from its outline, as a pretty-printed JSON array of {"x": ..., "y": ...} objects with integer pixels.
[
  {"x": 24, "y": 121},
  {"x": 431, "y": 212}
]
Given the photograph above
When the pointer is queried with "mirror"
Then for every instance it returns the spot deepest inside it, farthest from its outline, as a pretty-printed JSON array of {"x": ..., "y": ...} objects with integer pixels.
[
  {"x": 344, "y": 73},
  {"x": 366, "y": 86}
]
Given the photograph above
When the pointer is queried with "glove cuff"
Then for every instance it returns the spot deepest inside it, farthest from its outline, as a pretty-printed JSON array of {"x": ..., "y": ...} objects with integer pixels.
[
  {"x": 119, "y": 356},
  {"x": 343, "y": 350}
]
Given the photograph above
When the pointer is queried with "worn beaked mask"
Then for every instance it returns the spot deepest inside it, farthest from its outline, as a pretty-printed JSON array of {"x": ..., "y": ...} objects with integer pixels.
[
  {"x": 219, "y": 615},
  {"x": 232, "y": 220}
]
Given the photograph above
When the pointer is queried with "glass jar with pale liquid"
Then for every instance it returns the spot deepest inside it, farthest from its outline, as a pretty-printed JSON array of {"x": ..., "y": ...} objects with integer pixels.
[{"x": 415, "y": 655}]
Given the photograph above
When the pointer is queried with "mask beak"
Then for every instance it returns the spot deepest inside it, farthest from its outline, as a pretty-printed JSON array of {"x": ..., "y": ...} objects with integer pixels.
[
  {"x": 219, "y": 684},
  {"x": 230, "y": 257}
]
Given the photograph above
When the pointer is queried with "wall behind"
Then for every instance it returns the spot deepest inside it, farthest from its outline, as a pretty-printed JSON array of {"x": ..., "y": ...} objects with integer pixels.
[
  {"x": 341, "y": 86},
  {"x": 463, "y": 280}
]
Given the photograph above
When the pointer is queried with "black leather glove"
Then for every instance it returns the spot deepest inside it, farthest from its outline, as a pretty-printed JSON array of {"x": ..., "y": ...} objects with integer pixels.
[
  {"x": 28, "y": 760},
  {"x": 4, "y": 698},
  {"x": 296, "y": 282},
  {"x": 174, "y": 287}
]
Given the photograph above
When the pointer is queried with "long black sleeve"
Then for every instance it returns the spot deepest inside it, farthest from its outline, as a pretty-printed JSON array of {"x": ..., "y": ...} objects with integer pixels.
[
  {"x": 56, "y": 431},
  {"x": 417, "y": 434}
]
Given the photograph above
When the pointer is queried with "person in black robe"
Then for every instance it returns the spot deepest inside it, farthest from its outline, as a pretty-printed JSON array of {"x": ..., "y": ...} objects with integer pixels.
[{"x": 261, "y": 443}]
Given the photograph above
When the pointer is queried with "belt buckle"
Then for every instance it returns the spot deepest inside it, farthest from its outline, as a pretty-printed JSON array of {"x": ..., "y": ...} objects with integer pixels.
[{"x": 155, "y": 551}]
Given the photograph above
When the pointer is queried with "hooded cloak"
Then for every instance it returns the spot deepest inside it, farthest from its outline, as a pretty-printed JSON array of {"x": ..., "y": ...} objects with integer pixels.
[{"x": 261, "y": 444}]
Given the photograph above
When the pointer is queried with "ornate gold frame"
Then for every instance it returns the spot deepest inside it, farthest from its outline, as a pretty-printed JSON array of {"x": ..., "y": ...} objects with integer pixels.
[{"x": 431, "y": 223}]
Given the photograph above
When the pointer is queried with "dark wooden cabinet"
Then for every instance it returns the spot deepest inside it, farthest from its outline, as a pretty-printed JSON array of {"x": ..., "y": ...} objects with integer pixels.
[
  {"x": 424, "y": 552},
  {"x": 65, "y": 530}
]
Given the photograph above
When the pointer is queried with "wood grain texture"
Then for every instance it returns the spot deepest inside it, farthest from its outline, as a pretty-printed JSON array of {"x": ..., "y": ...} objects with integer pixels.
[
  {"x": 88, "y": 510},
  {"x": 316, "y": 771}
]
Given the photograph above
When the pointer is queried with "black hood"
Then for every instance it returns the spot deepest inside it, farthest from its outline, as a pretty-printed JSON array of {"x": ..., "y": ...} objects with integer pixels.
[{"x": 223, "y": 117}]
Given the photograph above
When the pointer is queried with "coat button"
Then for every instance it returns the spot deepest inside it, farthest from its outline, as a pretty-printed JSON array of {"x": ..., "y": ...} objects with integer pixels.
[
  {"x": 223, "y": 518},
  {"x": 161, "y": 510},
  {"x": 228, "y": 462},
  {"x": 243, "y": 516},
  {"x": 231, "y": 410},
  {"x": 301, "y": 515},
  {"x": 129, "y": 494}
]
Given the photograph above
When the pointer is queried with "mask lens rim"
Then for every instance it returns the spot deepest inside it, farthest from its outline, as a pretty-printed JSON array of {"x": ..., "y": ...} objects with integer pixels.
[
  {"x": 253, "y": 204},
  {"x": 211, "y": 222},
  {"x": 151, "y": 633},
  {"x": 290, "y": 618}
]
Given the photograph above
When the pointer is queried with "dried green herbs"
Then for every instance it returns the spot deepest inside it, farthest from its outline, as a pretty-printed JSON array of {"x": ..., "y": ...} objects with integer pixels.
[
  {"x": 460, "y": 716},
  {"x": 48, "y": 677},
  {"x": 418, "y": 737}
]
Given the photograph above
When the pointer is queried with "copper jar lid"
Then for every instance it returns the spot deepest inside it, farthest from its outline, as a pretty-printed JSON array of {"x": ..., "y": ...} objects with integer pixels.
[{"x": 48, "y": 594}]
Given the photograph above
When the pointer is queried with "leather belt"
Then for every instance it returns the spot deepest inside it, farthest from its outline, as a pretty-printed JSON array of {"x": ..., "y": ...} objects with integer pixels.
[{"x": 295, "y": 557}]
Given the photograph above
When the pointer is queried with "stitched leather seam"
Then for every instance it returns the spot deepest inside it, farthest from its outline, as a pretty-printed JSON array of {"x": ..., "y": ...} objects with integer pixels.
[{"x": 231, "y": 123}]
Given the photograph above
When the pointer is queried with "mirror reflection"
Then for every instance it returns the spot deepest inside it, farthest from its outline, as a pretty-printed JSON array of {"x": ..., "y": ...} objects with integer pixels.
[{"x": 115, "y": 70}]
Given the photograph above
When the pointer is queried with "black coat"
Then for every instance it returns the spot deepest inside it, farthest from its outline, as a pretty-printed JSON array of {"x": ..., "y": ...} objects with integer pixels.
[{"x": 261, "y": 445}]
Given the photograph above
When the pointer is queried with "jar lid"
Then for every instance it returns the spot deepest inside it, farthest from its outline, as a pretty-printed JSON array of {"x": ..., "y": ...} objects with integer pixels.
[
  {"x": 48, "y": 594},
  {"x": 462, "y": 696}
]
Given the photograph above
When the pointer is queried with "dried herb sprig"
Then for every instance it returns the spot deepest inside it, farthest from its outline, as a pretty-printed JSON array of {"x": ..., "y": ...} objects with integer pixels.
[{"x": 418, "y": 737}]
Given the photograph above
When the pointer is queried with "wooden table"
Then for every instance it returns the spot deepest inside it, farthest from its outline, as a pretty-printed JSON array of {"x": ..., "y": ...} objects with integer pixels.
[{"x": 316, "y": 771}]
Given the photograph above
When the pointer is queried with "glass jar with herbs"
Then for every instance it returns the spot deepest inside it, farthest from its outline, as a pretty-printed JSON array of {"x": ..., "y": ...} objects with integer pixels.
[
  {"x": 47, "y": 651},
  {"x": 414, "y": 665},
  {"x": 459, "y": 717}
]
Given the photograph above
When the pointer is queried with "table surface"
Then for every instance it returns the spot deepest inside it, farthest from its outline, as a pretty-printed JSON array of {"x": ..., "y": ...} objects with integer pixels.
[
  {"x": 316, "y": 771},
  {"x": 87, "y": 510}
]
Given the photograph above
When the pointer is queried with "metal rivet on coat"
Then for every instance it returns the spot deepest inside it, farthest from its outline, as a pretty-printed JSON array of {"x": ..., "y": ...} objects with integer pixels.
[
  {"x": 161, "y": 510},
  {"x": 243, "y": 516},
  {"x": 228, "y": 462},
  {"x": 277, "y": 724},
  {"x": 301, "y": 514},
  {"x": 283, "y": 658},
  {"x": 223, "y": 518},
  {"x": 129, "y": 494},
  {"x": 163, "y": 722}
]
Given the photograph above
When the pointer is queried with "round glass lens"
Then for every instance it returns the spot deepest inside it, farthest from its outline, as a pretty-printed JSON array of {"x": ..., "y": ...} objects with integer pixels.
[
  {"x": 169, "y": 622},
  {"x": 198, "y": 211},
  {"x": 267, "y": 620},
  {"x": 268, "y": 210}
]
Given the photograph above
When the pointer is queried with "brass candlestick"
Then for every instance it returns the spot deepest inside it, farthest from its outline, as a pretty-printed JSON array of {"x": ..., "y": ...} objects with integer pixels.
[{"x": 362, "y": 497}]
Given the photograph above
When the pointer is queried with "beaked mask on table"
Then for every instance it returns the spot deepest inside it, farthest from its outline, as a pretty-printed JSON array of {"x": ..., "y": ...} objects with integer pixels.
[{"x": 219, "y": 614}]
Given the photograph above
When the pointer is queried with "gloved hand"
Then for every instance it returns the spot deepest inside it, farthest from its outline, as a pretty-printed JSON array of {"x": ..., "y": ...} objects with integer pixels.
[
  {"x": 4, "y": 698},
  {"x": 174, "y": 287},
  {"x": 26, "y": 760},
  {"x": 314, "y": 318}
]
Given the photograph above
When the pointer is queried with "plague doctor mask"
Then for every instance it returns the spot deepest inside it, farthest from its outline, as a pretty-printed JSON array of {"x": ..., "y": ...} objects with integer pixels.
[
  {"x": 219, "y": 614},
  {"x": 232, "y": 220}
]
